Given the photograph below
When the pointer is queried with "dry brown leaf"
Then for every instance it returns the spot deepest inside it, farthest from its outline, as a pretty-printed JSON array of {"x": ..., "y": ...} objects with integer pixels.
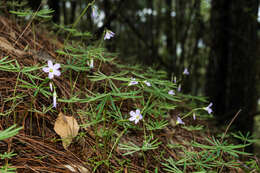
[{"x": 67, "y": 127}]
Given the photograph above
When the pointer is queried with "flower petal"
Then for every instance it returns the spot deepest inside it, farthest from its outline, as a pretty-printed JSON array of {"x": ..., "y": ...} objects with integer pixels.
[
  {"x": 56, "y": 72},
  {"x": 50, "y": 64},
  {"x": 46, "y": 69},
  {"x": 54, "y": 99},
  {"x": 209, "y": 110},
  {"x": 186, "y": 72},
  {"x": 109, "y": 34},
  {"x": 175, "y": 79},
  {"x": 194, "y": 116},
  {"x": 138, "y": 112},
  {"x": 147, "y": 83},
  {"x": 56, "y": 66},
  {"x": 132, "y": 119},
  {"x": 91, "y": 65},
  {"x": 179, "y": 121},
  {"x": 51, "y": 75},
  {"x": 51, "y": 86},
  {"x": 171, "y": 92},
  {"x": 179, "y": 88},
  {"x": 132, "y": 114}
]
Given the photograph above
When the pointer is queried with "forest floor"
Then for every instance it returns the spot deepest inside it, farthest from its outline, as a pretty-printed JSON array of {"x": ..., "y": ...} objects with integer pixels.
[{"x": 100, "y": 99}]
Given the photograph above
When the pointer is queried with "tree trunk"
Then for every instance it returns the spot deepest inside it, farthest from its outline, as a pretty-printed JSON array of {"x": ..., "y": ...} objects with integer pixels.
[
  {"x": 55, "y": 6},
  {"x": 231, "y": 71},
  {"x": 170, "y": 41},
  {"x": 73, "y": 11},
  {"x": 65, "y": 16}
]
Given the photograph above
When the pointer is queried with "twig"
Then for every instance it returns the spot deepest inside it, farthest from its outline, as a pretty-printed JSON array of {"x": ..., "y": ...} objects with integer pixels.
[
  {"x": 233, "y": 119},
  {"x": 27, "y": 26},
  {"x": 222, "y": 138}
]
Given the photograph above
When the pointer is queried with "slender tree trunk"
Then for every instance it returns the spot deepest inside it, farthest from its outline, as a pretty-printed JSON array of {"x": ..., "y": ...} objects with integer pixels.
[
  {"x": 107, "y": 9},
  {"x": 73, "y": 11},
  {"x": 55, "y": 6},
  {"x": 169, "y": 30},
  {"x": 231, "y": 71},
  {"x": 153, "y": 49},
  {"x": 65, "y": 16}
]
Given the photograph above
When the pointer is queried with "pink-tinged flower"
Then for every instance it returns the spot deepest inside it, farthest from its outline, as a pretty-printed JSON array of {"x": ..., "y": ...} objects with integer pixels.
[
  {"x": 109, "y": 34},
  {"x": 133, "y": 82},
  {"x": 179, "y": 121},
  {"x": 135, "y": 116},
  {"x": 171, "y": 92},
  {"x": 54, "y": 99},
  {"x": 50, "y": 86},
  {"x": 147, "y": 83},
  {"x": 179, "y": 88},
  {"x": 52, "y": 69},
  {"x": 186, "y": 72},
  {"x": 194, "y": 116},
  {"x": 208, "y": 108}
]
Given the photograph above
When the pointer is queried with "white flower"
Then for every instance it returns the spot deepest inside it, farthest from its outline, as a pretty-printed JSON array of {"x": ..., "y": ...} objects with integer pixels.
[
  {"x": 135, "y": 116},
  {"x": 54, "y": 99},
  {"x": 147, "y": 83},
  {"x": 51, "y": 86},
  {"x": 133, "y": 82},
  {"x": 171, "y": 92},
  {"x": 179, "y": 121},
  {"x": 194, "y": 116},
  {"x": 179, "y": 88},
  {"x": 109, "y": 34},
  {"x": 208, "y": 108},
  {"x": 186, "y": 72},
  {"x": 52, "y": 69},
  {"x": 91, "y": 63}
]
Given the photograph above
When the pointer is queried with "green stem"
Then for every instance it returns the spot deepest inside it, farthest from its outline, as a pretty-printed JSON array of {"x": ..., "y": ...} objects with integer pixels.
[
  {"x": 193, "y": 110},
  {"x": 14, "y": 95},
  {"x": 116, "y": 142}
]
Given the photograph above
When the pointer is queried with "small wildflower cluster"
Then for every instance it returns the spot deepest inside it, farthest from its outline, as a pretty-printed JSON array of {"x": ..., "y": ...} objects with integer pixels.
[
  {"x": 208, "y": 109},
  {"x": 135, "y": 82},
  {"x": 136, "y": 115},
  {"x": 185, "y": 72},
  {"x": 53, "y": 70}
]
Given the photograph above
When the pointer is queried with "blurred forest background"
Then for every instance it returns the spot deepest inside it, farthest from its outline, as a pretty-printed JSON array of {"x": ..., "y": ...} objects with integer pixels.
[{"x": 215, "y": 40}]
